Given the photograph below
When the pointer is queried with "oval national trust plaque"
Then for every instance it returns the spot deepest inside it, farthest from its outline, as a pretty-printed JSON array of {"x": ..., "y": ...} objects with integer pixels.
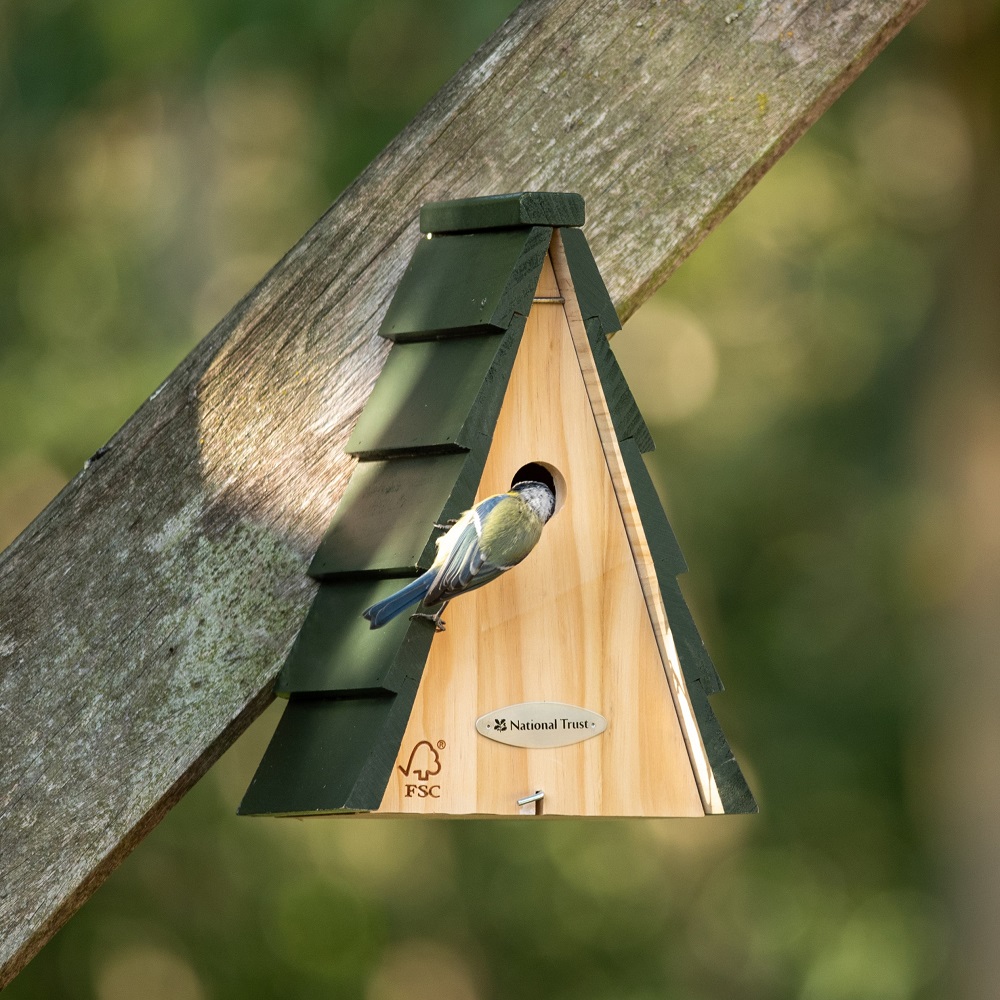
[{"x": 541, "y": 724}]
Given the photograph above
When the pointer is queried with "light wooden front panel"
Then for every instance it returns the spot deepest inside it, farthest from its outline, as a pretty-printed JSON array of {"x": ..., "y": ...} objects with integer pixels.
[{"x": 569, "y": 624}]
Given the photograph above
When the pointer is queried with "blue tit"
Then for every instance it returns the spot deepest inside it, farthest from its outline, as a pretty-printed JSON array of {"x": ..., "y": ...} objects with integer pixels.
[{"x": 483, "y": 543}]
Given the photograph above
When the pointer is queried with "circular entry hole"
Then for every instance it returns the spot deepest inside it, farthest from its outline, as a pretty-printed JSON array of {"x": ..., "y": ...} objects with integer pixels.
[{"x": 543, "y": 472}]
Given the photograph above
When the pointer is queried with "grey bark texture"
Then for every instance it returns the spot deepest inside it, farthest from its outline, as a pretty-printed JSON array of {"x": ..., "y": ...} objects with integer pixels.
[{"x": 146, "y": 612}]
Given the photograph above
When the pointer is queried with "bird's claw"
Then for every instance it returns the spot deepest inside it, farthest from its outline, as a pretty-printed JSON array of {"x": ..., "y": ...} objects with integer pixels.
[
  {"x": 439, "y": 625},
  {"x": 447, "y": 524}
]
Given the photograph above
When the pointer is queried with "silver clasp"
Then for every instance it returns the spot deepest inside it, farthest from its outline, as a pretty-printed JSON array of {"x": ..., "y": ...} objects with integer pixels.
[{"x": 531, "y": 805}]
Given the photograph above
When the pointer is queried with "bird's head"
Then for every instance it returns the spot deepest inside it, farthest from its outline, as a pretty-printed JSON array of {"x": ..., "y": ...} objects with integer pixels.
[{"x": 537, "y": 496}]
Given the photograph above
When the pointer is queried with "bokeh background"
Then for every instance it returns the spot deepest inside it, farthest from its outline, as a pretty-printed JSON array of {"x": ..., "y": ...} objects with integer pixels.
[{"x": 822, "y": 380}]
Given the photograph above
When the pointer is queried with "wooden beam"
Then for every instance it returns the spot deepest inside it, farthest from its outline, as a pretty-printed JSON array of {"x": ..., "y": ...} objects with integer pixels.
[{"x": 145, "y": 613}]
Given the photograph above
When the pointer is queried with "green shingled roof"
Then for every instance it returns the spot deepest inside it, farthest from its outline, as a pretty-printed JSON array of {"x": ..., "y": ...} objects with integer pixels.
[{"x": 456, "y": 321}]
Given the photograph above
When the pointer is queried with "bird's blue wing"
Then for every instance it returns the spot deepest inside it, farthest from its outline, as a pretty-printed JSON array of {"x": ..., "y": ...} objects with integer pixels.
[
  {"x": 463, "y": 562},
  {"x": 466, "y": 561}
]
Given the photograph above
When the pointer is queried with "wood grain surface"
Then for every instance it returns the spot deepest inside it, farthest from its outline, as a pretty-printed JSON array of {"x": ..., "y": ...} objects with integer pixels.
[
  {"x": 145, "y": 613},
  {"x": 569, "y": 624}
]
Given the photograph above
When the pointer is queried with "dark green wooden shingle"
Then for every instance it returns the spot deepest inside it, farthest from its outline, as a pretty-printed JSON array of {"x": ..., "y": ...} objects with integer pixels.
[
  {"x": 668, "y": 562},
  {"x": 660, "y": 536},
  {"x": 625, "y": 413},
  {"x": 337, "y": 653},
  {"x": 691, "y": 649},
  {"x": 527, "y": 208},
  {"x": 588, "y": 283},
  {"x": 600, "y": 320},
  {"x": 467, "y": 284},
  {"x": 432, "y": 396},
  {"x": 733, "y": 788},
  {"x": 699, "y": 672},
  {"x": 330, "y": 755},
  {"x": 384, "y": 523}
]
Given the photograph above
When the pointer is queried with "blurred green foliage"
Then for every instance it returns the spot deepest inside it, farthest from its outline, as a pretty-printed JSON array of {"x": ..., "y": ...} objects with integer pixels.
[{"x": 157, "y": 157}]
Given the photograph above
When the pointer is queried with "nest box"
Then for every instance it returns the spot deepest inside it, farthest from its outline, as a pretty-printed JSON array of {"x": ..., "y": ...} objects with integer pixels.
[{"x": 576, "y": 683}]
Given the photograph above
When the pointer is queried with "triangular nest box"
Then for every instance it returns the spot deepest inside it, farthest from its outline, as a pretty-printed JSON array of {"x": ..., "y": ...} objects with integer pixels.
[{"x": 500, "y": 360}]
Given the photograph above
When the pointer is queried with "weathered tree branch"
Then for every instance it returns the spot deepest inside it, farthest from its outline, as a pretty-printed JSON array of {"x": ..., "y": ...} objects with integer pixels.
[{"x": 145, "y": 612}]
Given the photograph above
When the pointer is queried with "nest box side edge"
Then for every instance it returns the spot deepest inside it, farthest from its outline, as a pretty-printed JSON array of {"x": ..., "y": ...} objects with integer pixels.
[{"x": 700, "y": 677}]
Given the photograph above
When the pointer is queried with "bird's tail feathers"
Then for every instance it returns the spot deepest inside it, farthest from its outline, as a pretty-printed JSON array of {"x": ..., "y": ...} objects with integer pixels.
[{"x": 385, "y": 610}]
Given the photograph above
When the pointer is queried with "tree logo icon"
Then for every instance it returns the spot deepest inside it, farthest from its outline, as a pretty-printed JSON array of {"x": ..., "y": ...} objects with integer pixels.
[{"x": 424, "y": 761}]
